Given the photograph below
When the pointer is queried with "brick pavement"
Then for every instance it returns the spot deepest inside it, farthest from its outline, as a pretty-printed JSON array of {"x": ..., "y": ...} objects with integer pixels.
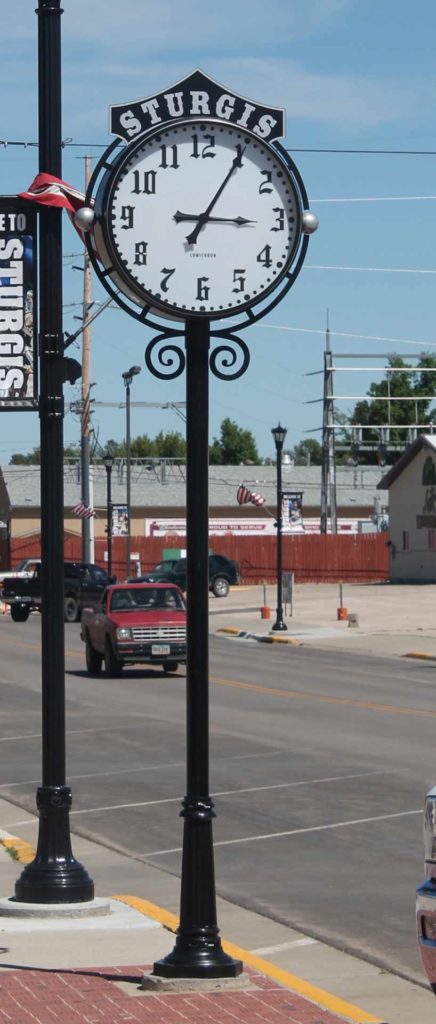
[{"x": 102, "y": 996}]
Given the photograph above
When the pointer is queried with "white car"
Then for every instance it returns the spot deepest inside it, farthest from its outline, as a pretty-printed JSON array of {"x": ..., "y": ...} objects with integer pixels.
[{"x": 426, "y": 894}]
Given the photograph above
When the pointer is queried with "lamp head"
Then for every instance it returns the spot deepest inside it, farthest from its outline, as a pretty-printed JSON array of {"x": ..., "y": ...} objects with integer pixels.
[
  {"x": 108, "y": 461},
  {"x": 129, "y": 374},
  {"x": 279, "y": 434}
]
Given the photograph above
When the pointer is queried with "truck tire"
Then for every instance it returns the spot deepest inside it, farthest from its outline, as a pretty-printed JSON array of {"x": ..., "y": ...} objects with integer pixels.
[
  {"x": 111, "y": 663},
  {"x": 220, "y": 586},
  {"x": 71, "y": 609},
  {"x": 93, "y": 658},
  {"x": 170, "y": 666},
  {"x": 19, "y": 612}
]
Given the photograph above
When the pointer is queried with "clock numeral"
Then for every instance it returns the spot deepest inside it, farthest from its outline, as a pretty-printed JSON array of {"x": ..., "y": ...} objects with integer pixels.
[
  {"x": 202, "y": 289},
  {"x": 239, "y": 279},
  {"x": 169, "y": 157},
  {"x": 126, "y": 217},
  {"x": 205, "y": 149},
  {"x": 141, "y": 254},
  {"x": 263, "y": 187},
  {"x": 264, "y": 256},
  {"x": 144, "y": 183},
  {"x": 167, "y": 274},
  {"x": 280, "y": 219}
]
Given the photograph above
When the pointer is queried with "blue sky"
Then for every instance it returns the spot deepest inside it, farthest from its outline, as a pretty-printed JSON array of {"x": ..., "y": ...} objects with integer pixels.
[{"x": 351, "y": 74}]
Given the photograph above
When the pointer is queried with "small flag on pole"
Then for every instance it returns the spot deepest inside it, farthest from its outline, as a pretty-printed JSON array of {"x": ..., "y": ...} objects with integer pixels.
[
  {"x": 51, "y": 191},
  {"x": 244, "y": 496},
  {"x": 83, "y": 511}
]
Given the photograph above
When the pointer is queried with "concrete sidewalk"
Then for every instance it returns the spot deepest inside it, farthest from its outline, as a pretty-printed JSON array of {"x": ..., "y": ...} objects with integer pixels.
[
  {"x": 393, "y": 620},
  {"x": 89, "y": 969}
]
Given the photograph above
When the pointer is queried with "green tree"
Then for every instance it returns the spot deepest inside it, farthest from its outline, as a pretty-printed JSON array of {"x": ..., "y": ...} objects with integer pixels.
[
  {"x": 234, "y": 447},
  {"x": 307, "y": 453},
  {"x": 419, "y": 385}
]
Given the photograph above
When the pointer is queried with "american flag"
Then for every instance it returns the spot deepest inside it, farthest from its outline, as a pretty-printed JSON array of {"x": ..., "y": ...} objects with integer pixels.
[
  {"x": 51, "y": 191},
  {"x": 84, "y": 511},
  {"x": 244, "y": 496}
]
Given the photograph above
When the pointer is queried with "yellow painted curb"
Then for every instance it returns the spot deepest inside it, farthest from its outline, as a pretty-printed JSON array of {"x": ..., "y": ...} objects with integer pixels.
[
  {"x": 304, "y": 988},
  {"x": 24, "y": 852},
  {"x": 229, "y": 629},
  {"x": 286, "y": 640},
  {"x": 421, "y": 655}
]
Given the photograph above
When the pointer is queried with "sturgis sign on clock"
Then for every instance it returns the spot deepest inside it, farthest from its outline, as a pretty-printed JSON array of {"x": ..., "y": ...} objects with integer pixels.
[{"x": 202, "y": 213}]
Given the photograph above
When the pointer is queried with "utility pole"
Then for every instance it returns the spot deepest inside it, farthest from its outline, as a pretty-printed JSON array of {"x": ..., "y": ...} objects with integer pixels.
[
  {"x": 328, "y": 464},
  {"x": 87, "y": 523}
]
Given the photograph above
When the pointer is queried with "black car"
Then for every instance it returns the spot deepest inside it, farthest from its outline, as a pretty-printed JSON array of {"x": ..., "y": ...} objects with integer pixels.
[{"x": 222, "y": 573}]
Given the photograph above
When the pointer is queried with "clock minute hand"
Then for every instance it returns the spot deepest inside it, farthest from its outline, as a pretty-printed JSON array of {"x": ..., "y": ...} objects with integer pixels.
[
  {"x": 204, "y": 217},
  {"x": 239, "y": 221}
]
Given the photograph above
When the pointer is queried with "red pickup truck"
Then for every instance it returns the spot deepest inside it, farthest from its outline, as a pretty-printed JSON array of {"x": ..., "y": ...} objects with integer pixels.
[{"x": 136, "y": 623}]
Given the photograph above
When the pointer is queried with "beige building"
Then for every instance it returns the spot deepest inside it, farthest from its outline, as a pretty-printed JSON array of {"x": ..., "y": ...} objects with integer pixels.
[{"x": 411, "y": 483}]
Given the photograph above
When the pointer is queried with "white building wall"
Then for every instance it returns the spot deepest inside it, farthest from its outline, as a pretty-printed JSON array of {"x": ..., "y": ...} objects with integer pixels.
[{"x": 412, "y": 522}]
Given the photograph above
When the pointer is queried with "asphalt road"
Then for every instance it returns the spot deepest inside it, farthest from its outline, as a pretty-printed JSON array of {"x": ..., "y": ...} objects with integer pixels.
[{"x": 320, "y": 761}]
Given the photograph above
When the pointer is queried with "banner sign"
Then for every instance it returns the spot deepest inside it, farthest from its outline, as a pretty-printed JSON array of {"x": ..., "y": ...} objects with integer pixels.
[
  {"x": 18, "y": 360},
  {"x": 292, "y": 511},
  {"x": 120, "y": 521}
]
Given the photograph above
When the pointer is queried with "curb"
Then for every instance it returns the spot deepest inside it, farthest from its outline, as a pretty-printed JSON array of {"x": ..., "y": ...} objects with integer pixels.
[
  {"x": 24, "y": 853},
  {"x": 262, "y": 639},
  {"x": 316, "y": 995},
  {"x": 420, "y": 655}
]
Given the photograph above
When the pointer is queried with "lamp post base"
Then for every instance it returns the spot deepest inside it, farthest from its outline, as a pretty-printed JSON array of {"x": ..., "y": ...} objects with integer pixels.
[
  {"x": 54, "y": 876},
  {"x": 199, "y": 955},
  {"x": 279, "y": 625}
]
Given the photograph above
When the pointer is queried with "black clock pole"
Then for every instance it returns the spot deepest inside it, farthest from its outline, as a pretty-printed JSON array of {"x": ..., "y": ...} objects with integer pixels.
[
  {"x": 54, "y": 876},
  {"x": 198, "y": 952}
]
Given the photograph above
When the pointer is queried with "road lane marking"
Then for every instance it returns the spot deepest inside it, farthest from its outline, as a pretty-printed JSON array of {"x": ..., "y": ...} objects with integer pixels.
[
  {"x": 281, "y": 946},
  {"x": 275, "y": 692},
  {"x": 396, "y": 709},
  {"x": 291, "y": 832},
  {"x": 229, "y": 792}
]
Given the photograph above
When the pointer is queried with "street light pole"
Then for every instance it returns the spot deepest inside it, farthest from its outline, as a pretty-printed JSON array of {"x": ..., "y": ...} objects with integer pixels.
[
  {"x": 279, "y": 434},
  {"x": 127, "y": 378},
  {"x": 54, "y": 876},
  {"x": 109, "y": 461}
]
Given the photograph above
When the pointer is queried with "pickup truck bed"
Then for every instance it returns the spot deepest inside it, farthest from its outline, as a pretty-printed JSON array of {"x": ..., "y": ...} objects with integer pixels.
[
  {"x": 84, "y": 584},
  {"x": 136, "y": 623}
]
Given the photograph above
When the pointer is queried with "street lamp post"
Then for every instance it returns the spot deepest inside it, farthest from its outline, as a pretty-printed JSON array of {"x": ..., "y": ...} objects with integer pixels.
[
  {"x": 109, "y": 461},
  {"x": 54, "y": 875},
  {"x": 127, "y": 378},
  {"x": 279, "y": 434}
]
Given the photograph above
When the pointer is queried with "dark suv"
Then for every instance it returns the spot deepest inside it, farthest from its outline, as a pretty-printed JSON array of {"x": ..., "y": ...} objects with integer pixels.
[{"x": 222, "y": 573}]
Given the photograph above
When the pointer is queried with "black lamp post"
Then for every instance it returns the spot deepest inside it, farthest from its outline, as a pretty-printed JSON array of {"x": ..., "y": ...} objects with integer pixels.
[
  {"x": 54, "y": 876},
  {"x": 279, "y": 434},
  {"x": 127, "y": 378},
  {"x": 109, "y": 461}
]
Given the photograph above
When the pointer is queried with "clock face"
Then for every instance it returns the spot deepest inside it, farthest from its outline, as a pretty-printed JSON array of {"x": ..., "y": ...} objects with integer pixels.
[{"x": 200, "y": 218}]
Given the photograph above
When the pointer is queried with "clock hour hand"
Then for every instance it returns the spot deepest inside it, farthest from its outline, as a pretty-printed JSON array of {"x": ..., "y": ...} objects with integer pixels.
[
  {"x": 239, "y": 221},
  {"x": 204, "y": 217}
]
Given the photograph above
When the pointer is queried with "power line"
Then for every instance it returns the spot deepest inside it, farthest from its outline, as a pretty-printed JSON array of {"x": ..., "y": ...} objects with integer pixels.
[{"x": 66, "y": 143}]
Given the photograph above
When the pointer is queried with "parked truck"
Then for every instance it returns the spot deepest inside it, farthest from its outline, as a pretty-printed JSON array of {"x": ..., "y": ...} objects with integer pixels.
[
  {"x": 84, "y": 584},
  {"x": 136, "y": 623}
]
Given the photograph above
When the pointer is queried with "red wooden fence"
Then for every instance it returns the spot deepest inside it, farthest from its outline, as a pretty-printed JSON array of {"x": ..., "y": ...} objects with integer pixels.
[{"x": 317, "y": 559}]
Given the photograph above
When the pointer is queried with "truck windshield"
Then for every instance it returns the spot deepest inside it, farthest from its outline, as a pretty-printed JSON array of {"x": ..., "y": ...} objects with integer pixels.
[{"x": 146, "y": 598}]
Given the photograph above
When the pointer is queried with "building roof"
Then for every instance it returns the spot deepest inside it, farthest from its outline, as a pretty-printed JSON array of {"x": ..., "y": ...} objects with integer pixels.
[
  {"x": 422, "y": 441},
  {"x": 162, "y": 484}
]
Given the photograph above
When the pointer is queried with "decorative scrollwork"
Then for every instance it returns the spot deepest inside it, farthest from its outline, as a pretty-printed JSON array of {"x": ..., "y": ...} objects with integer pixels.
[
  {"x": 229, "y": 354},
  {"x": 170, "y": 357}
]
